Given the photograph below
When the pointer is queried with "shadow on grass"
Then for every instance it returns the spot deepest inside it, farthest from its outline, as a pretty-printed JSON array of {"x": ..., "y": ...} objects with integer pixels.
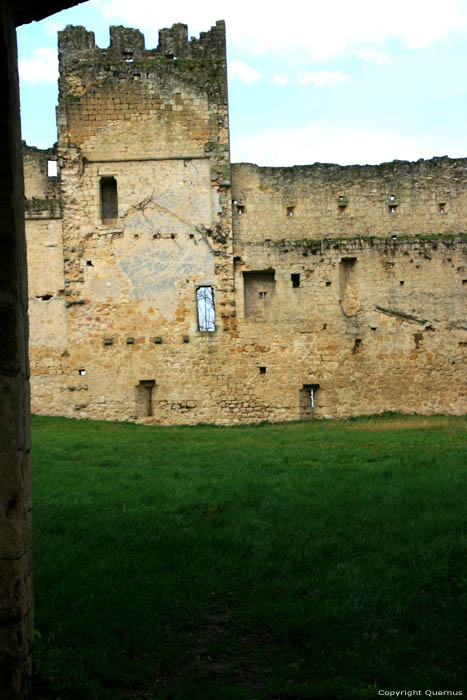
[{"x": 286, "y": 562}]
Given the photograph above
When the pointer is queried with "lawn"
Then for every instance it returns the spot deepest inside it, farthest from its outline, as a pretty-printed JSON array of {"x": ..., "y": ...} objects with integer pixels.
[{"x": 314, "y": 560}]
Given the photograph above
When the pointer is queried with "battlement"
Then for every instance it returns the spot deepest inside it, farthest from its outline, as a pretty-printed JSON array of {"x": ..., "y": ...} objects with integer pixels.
[{"x": 76, "y": 44}]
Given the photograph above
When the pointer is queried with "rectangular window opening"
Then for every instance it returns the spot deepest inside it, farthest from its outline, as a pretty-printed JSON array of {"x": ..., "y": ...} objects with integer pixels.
[
  {"x": 205, "y": 307},
  {"x": 144, "y": 392},
  {"x": 307, "y": 400},
  {"x": 52, "y": 168},
  {"x": 290, "y": 211},
  {"x": 295, "y": 277},
  {"x": 108, "y": 199}
]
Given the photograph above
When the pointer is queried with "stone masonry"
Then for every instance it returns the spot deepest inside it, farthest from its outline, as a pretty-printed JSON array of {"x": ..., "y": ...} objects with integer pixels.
[{"x": 170, "y": 286}]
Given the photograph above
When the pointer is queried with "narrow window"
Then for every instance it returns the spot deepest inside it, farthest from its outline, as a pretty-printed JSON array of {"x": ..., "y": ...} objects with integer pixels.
[
  {"x": 240, "y": 209},
  {"x": 295, "y": 277},
  {"x": 81, "y": 372},
  {"x": 144, "y": 392},
  {"x": 290, "y": 211},
  {"x": 109, "y": 199},
  {"x": 442, "y": 208},
  {"x": 307, "y": 400},
  {"x": 392, "y": 208},
  {"x": 262, "y": 295},
  {"x": 392, "y": 197},
  {"x": 52, "y": 168},
  {"x": 205, "y": 306},
  {"x": 262, "y": 370}
]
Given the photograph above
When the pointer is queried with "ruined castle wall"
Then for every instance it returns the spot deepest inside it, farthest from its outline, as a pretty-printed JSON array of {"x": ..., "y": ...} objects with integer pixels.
[
  {"x": 408, "y": 199},
  {"x": 336, "y": 290},
  {"x": 375, "y": 327}
]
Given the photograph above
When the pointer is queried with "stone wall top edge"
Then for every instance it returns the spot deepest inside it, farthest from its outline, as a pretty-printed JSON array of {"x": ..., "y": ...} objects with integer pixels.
[
  {"x": 75, "y": 42},
  {"x": 34, "y": 151},
  {"x": 437, "y": 163}
]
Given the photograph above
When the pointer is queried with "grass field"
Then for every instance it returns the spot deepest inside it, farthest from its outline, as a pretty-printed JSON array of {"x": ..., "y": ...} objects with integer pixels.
[{"x": 312, "y": 560}]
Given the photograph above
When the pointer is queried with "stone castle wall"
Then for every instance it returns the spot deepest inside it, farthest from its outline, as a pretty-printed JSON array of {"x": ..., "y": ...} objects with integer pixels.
[{"x": 337, "y": 290}]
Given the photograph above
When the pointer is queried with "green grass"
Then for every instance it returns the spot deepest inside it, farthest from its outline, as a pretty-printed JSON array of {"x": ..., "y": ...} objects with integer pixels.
[{"x": 324, "y": 559}]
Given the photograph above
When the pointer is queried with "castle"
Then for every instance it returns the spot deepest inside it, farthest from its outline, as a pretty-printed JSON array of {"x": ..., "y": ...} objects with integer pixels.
[{"x": 170, "y": 286}]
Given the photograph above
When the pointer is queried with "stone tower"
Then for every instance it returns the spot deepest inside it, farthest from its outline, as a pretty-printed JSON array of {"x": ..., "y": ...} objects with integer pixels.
[{"x": 170, "y": 286}]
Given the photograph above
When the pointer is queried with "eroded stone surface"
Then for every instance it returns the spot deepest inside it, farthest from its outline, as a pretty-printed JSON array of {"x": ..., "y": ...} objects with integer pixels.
[{"x": 337, "y": 290}]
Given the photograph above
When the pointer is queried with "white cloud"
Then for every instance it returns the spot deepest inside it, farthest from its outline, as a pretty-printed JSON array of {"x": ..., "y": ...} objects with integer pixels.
[
  {"x": 324, "y": 144},
  {"x": 321, "y": 77},
  {"x": 239, "y": 70},
  {"x": 41, "y": 67},
  {"x": 304, "y": 31},
  {"x": 373, "y": 56},
  {"x": 280, "y": 78}
]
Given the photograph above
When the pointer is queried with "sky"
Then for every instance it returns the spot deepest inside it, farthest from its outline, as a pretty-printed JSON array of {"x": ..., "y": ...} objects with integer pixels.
[{"x": 327, "y": 81}]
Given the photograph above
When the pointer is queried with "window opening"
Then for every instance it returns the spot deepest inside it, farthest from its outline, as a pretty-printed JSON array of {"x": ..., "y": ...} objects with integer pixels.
[
  {"x": 109, "y": 199},
  {"x": 240, "y": 209},
  {"x": 262, "y": 370},
  {"x": 307, "y": 397},
  {"x": 295, "y": 277},
  {"x": 392, "y": 197},
  {"x": 290, "y": 211},
  {"x": 52, "y": 168},
  {"x": 82, "y": 372},
  {"x": 206, "y": 311},
  {"x": 146, "y": 387},
  {"x": 392, "y": 208},
  {"x": 262, "y": 295},
  {"x": 442, "y": 207}
]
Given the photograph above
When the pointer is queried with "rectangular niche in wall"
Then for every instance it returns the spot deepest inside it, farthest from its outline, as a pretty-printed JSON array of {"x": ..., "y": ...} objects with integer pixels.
[
  {"x": 144, "y": 391},
  {"x": 108, "y": 198},
  {"x": 350, "y": 296},
  {"x": 259, "y": 290},
  {"x": 307, "y": 400}
]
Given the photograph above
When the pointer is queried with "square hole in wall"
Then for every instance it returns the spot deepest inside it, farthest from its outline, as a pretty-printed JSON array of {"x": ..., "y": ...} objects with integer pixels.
[
  {"x": 295, "y": 277},
  {"x": 262, "y": 370}
]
